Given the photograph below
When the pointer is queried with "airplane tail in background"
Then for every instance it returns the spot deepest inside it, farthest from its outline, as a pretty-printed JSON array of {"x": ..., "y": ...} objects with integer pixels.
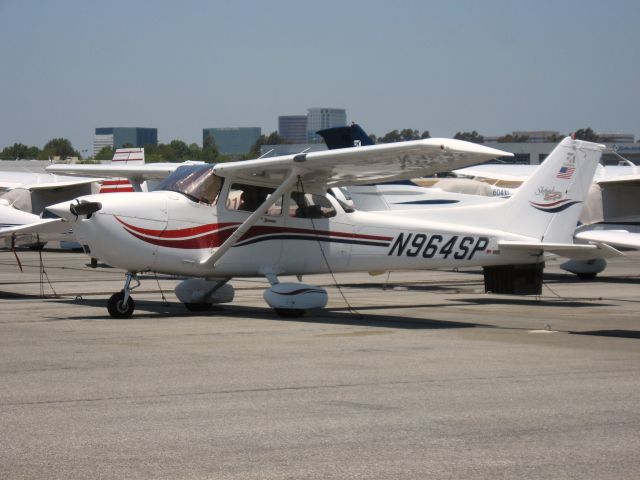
[
  {"x": 548, "y": 205},
  {"x": 123, "y": 156},
  {"x": 345, "y": 137},
  {"x": 128, "y": 156}
]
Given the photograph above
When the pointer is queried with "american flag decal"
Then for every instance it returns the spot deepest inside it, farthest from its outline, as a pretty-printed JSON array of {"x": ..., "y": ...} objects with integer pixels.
[{"x": 566, "y": 172}]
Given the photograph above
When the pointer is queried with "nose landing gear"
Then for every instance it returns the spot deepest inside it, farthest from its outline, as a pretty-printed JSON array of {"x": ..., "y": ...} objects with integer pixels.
[{"x": 121, "y": 305}]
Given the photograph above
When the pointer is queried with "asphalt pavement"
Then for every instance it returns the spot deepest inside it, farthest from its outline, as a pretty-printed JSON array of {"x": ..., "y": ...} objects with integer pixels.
[{"x": 407, "y": 376}]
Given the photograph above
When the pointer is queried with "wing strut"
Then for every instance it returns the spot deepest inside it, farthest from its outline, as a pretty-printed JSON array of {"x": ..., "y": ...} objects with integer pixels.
[{"x": 250, "y": 222}]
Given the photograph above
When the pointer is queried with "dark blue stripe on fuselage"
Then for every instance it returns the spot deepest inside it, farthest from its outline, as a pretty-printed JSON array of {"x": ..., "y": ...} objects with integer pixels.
[
  {"x": 314, "y": 239},
  {"x": 428, "y": 202}
]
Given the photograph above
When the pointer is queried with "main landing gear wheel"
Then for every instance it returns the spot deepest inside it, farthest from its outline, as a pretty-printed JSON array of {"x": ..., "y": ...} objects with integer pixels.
[
  {"x": 289, "y": 312},
  {"x": 118, "y": 308},
  {"x": 198, "y": 307}
]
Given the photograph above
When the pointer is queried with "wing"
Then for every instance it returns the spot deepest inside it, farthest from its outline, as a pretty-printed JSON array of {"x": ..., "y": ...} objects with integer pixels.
[
  {"x": 149, "y": 171},
  {"x": 616, "y": 238},
  {"x": 50, "y": 225},
  {"x": 508, "y": 173},
  {"x": 364, "y": 165},
  {"x": 61, "y": 184},
  {"x": 632, "y": 179}
]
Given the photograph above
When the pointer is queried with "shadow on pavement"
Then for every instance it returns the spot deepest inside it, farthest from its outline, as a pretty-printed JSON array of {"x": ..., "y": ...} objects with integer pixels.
[
  {"x": 158, "y": 310},
  {"x": 611, "y": 333}
]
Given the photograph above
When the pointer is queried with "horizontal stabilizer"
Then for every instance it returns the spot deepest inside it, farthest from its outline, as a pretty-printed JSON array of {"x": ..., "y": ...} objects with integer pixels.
[{"x": 568, "y": 250}]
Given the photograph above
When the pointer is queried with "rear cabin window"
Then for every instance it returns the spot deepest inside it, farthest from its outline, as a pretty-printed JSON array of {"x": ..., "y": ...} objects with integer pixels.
[
  {"x": 310, "y": 205},
  {"x": 247, "y": 198}
]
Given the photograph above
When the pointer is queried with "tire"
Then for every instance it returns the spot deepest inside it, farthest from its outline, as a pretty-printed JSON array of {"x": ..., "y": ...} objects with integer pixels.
[
  {"x": 116, "y": 307},
  {"x": 198, "y": 307},
  {"x": 289, "y": 312}
]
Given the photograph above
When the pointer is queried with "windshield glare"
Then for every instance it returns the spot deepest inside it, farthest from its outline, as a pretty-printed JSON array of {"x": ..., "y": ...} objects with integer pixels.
[{"x": 197, "y": 182}]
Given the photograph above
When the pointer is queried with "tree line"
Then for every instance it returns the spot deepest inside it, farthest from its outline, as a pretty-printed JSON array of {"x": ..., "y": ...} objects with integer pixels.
[
  {"x": 56, "y": 147},
  {"x": 178, "y": 151}
]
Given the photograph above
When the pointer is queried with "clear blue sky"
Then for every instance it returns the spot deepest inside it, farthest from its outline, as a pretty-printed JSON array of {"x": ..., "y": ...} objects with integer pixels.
[{"x": 68, "y": 66}]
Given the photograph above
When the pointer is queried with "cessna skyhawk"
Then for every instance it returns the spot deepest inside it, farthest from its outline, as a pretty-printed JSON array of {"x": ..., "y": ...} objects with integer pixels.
[{"x": 272, "y": 217}]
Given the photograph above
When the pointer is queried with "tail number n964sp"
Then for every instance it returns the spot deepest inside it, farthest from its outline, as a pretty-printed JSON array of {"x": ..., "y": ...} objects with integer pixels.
[{"x": 459, "y": 248}]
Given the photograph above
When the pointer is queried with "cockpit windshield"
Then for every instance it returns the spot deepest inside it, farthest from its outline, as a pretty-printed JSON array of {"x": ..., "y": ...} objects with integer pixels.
[{"x": 197, "y": 182}]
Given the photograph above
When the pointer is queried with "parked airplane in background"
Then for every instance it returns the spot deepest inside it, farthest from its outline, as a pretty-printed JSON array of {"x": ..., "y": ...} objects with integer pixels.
[
  {"x": 286, "y": 224},
  {"x": 127, "y": 172},
  {"x": 23, "y": 198}
]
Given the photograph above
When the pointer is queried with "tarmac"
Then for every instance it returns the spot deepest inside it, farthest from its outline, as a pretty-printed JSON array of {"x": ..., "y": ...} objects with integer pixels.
[{"x": 404, "y": 376}]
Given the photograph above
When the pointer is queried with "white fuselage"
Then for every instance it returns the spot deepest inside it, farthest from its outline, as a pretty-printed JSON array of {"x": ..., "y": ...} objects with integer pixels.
[{"x": 167, "y": 232}]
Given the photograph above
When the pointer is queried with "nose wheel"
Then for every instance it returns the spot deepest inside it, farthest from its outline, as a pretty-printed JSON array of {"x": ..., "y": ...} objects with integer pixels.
[
  {"x": 118, "y": 307},
  {"x": 121, "y": 305}
]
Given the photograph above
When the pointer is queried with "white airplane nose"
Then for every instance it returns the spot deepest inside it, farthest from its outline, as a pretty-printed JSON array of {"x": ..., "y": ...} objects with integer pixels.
[
  {"x": 75, "y": 208},
  {"x": 62, "y": 210}
]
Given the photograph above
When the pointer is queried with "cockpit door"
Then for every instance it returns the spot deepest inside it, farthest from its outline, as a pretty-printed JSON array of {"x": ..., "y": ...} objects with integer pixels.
[
  {"x": 318, "y": 234},
  {"x": 260, "y": 249}
]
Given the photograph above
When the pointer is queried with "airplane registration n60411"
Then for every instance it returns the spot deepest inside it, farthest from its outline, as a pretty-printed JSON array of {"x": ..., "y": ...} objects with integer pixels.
[{"x": 277, "y": 216}]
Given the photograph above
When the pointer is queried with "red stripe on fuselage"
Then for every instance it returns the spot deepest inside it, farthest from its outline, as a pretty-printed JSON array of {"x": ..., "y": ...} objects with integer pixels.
[
  {"x": 214, "y": 239},
  {"x": 180, "y": 233},
  {"x": 214, "y": 234}
]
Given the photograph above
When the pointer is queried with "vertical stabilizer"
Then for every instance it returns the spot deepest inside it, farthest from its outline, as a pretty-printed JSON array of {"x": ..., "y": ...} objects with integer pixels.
[
  {"x": 548, "y": 205},
  {"x": 129, "y": 156},
  {"x": 345, "y": 137},
  {"x": 123, "y": 156}
]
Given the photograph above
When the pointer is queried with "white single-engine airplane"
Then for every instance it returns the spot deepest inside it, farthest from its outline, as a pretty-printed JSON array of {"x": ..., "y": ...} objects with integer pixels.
[{"x": 273, "y": 217}]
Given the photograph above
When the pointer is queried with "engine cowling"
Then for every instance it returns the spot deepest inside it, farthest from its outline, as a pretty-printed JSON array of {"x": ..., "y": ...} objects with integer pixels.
[
  {"x": 295, "y": 296},
  {"x": 196, "y": 290}
]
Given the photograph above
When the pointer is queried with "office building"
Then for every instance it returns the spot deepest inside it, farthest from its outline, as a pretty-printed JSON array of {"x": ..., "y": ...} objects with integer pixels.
[
  {"x": 293, "y": 128},
  {"x": 118, "y": 137},
  {"x": 321, "y": 118},
  {"x": 233, "y": 140}
]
